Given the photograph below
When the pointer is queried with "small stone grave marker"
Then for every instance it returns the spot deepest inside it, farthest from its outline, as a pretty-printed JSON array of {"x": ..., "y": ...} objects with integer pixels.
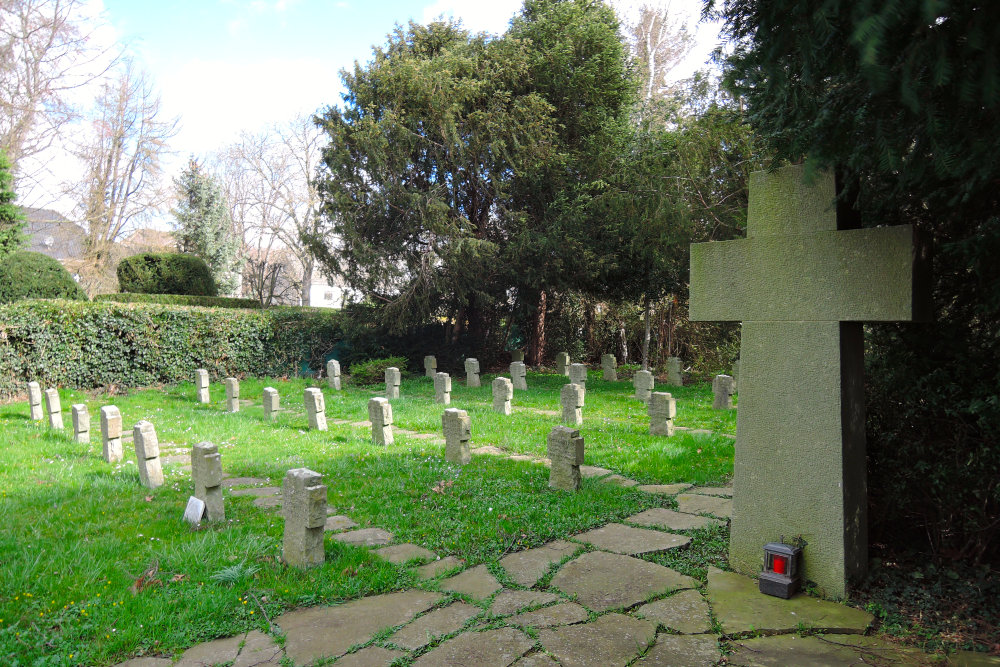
[
  {"x": 457, "y": 432},
  {"x": 565, "y": 449},
  {"x": 81, "y": 424},
  {"x": 206, "y": 473},
  {"x": 333, "y": 374},
  {"x": 111, "y": 433},
  {"x": 519, "y": 375},
  {"x": 517, "y": 355},
  {"x": 304, "y": 507},
  {"x": 393, "y": 378},
  {"x": 194, "y": 511},
  {"x": 610, "y": 367},
  {"x": 430, "y": 365},
  {"x": 578, "y": 375},
  {"x": 571, "y": 396},
  {"x": 723, "y": 388},
  {"x": 674, "y": 367},
  {"x": 54, "y": 407},
  {"x": 272, "y": 403},
  {"x": 662, "y": 410},
  {"x": 315, "y": 408},
  {"x": 147, "y": 455},
  {"x": 232, "y": 395},
  {"x": 562, "y": 363},
  {"x": 35, "y": 401},
  {"x": 201, "y": 385},
  {"x": 643, "y": 383},
  {"x": 503, "y": 392},
  {"x": 442, "y": 388},
  {"x": 472, "y": 372},
  {"x": 380, "y": 415}
]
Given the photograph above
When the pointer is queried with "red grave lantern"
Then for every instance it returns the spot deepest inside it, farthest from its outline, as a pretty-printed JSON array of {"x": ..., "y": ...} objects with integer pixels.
[{"x": 782, "y": 575}]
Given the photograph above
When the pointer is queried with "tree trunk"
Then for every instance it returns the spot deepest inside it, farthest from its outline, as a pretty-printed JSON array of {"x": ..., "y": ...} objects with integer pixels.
[
  {"x": 307, "y": 279},
  {"x": 645, "y": 334},
  {"x": 536, "y": 347},
  {"x": 589, "y": 317},
  {"x": 622, "y": 341}
]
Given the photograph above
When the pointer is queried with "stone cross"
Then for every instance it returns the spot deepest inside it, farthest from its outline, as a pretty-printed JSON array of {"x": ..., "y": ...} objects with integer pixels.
[
  {"x": 643, "y": 383},
  {"x": 232, "y": 395},
  {"x": 380, "y": 415},
  {"x": 517, "y": 355},
  {"x": 457, "y": 431},
  {"x": 565, "y": 450},
  {"x": 206, "y": 473},
  {"x": 201, "y": 385},
  {"x": 674, "y": 368},
  {"x": 333, "y": 374},
  {"x": 802, "y": 283},
  {"x": 571, "y": 396},
  {"x": 472, "y": 372},
  {"x": 662, "y": 410},
  {"x": 147, "y": 455},
  {"x": 35, "y": 401},
  {"x": 272, "y": 403},
  {"x": 578, "y": 374},
  {"x": 111, "y": 433},
  {"x": 610, "y": 367},
  {"x": 430, "y": 365},
  {"x": 54, "y": 407},
  {"x": 303, "y": 504},
  {"x": 81, "y": 424},
  {"x": 723, "y": 387},
  {"x": 562, "y": 363},
  {"x": 393, "y": 379},
  {"x": 503, "y": 391},
  {"x": 442, "y": 388},
  {"x": 519, "y": 375},
  {"x": 315, "y": 408}
]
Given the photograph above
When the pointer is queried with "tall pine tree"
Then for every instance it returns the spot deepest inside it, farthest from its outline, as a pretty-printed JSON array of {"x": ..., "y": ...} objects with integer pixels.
[
  {"x": 204, "y": 227},
  {"x": 11, "y": 221}
]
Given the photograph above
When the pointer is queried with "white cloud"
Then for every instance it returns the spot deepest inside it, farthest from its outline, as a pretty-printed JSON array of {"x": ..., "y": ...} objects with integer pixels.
[{"x": 491, "y": 16}]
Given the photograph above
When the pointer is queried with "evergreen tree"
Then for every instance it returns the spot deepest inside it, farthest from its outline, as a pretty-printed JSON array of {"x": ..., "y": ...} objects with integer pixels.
[
  {"x": 11, "y": 221},
  {"x": 204, "y": 228}
]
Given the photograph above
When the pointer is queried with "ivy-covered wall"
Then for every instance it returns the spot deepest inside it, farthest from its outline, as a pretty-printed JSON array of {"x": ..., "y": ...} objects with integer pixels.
[{"x": 88, "y": 345}]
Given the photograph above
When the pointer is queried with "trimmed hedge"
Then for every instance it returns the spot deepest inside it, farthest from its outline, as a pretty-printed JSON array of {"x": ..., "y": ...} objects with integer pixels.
[
  {"x": 32, "y": 275},
  {"x": 372, "y": 372},
  {"x": 180, "y": 300},
  {"x": 90, "y": 345},
  {"x": 166, "y": 273}
]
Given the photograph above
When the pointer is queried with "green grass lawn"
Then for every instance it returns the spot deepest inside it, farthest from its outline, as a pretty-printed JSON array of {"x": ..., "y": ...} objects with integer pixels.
[{"x": 78, "y": 531}]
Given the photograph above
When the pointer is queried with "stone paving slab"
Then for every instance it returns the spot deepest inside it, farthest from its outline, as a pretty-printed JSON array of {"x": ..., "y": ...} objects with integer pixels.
[
  {"x": 594, "y": 471},
  {"x": 823, "y": 651},
  {"x": 684, "y": 611},
  {"x": 339, "y": 522},
  {"x": 209, "y": 653},
  {"x": 564, "y": 613},
  {"x": 319, "y": 632},
  {"x": 364, "y": 424},
  {"x": 692, "y": 503},
  {"x": 509, "y": 602},
  {"x": 664, "y": 489},
  {"x": 476, "y": 582},
  {"x": 527, "y": 567},
  {"x": 373, "y": 656},
  {"x": 603, "y": 581},
  {"x": 401, "y": 553},
  {"x": 267, "y": 501},
  {"x": 621, "y": 539},
  {"x": 256, "y": 491},
  {"x": 740, "y": 607},
  {"x": 431, "y": 625},
  {"x": 612, "y": 640},
  {"x": 726, "y": 491},
  {"x": 536, "y": 660},
  {"x": 432, "y": 570},
  {"x": 660, "y": 517},
  {"x": 243, "y": 481},
  {"x": 148, "y": 662},
  {"x": 489, "y": 450},
  {"x": 366, "y": 537},
  {"x": 259, "y": 650},
  {"x": 685, "y": 651},
  {"x": 620, "y": 481},
  {"x": 493, "y": 648}
]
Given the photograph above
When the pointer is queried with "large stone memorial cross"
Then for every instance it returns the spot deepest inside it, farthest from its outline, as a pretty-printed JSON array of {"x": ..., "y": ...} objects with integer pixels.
[{"x": 802, "y": 284}]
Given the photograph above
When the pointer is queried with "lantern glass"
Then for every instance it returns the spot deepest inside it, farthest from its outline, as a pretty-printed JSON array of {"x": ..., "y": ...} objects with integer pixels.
[{"x": 781, "y": 569}]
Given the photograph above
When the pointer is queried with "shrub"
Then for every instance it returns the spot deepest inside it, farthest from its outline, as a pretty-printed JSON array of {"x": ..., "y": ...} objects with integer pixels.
[
  {"x": 32, "y": 275},
  {"x": 373, "y": 370},
  {"x": 166, "y": 273},
  {"x": 180, "y": 300}
]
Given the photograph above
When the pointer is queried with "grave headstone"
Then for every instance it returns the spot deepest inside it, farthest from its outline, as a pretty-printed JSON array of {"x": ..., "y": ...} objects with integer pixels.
[
  {"x": 53, "y": 406},
  {"x": 802, "y": 283},
  {"x": 380, "y": 415},
  {"x": 201, "y": 385},
  {"x": 272, "y": 403},
  {"x": 643, "y": 383},
  {"x": 578, "y": 375},
  {"x": 442, "y": 388},
  {"x": 430, "y": 366},
  {"x": 571, "y": 396},
  {"x": 457, "y": 431},
  {"x": 232, "y": 395},
  {"x": 723, "y": 388},
  {"x": 472, "y": 372},
  {"x": 303, "y": 502},
  {"x": 81, "y": 424},
  {"x": 147, "y": 455},
  {"x": 206, "y": 473},
  {"x": 517, "y": 355},
  {"x": 610, "y": 367},
  {"x": 662, "y": 410},
  {"x": 562, "y": 363},
  {"x": 503, "y": 392},
  {"x": 333, "y": 374},
  {"x": 565, "y": 450},
  {"x": 35, "y": 401},
  {"x": 315, "y": 408},
  {"x": 194, "y": 510},
  {"x": 674, "y": 372},
  {"x": 519, "y": 375},
  {"x": 111, "y": 433},
  {"x": 393, "y": 378}
]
